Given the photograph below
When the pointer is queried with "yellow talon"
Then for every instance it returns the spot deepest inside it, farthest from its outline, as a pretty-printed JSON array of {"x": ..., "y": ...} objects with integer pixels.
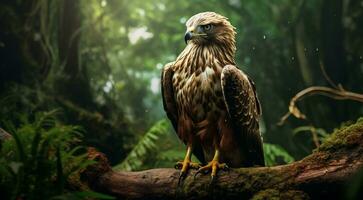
[
  {"x": 186, "y": 164},
  {"x": 213, "y": 165}
]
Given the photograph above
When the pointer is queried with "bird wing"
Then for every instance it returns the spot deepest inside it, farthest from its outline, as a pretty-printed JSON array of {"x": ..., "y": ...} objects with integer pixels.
[
  {"x": 170, "y": 106},
  {"x": 244, "y": 110},
  {"x": 167, "y": 93}
]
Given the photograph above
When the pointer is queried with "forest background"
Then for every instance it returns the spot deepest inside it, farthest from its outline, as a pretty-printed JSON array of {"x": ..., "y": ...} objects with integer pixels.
[{"x": 87, "y": 73}]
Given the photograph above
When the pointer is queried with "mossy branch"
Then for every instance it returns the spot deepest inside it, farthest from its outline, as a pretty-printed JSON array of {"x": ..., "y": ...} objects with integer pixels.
[{"x": 322, "y": 175}]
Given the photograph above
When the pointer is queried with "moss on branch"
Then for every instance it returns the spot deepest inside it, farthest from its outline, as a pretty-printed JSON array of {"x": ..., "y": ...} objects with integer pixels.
[{"x": 323, "y": 174}]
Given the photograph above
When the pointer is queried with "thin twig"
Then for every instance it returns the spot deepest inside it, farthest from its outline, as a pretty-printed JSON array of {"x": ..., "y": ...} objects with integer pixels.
[
  {"x": 327, "y": 77},
  {"x": 340, "y": 94},
  {"x": 315, "y": 136}
]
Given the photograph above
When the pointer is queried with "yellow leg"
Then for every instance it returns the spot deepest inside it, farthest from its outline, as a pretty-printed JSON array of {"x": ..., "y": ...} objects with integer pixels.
[
  {"x": 213, "y": 166},
  {"x": 186, "y": 164}
]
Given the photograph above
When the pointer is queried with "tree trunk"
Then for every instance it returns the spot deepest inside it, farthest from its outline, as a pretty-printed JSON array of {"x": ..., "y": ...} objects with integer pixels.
[
  {"x": 322, "y": 175},
  {"x": 74, "y": 84},
  {"x": 332, "y": 34},
  {"x": 334, "y": 55}
]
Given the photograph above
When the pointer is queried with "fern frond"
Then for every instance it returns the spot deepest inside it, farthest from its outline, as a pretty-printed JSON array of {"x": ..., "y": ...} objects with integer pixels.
[
  {"x": 275, "y": 154},
  {"x": 144, "y": 148}
]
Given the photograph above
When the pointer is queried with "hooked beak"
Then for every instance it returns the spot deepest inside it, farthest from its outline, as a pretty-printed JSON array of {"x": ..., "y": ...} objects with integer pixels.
[{"x": 188, "y": 36}]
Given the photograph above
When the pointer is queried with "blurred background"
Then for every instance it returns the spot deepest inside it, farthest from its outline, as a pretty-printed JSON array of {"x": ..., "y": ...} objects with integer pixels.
[{"x": 93, "y": 67}]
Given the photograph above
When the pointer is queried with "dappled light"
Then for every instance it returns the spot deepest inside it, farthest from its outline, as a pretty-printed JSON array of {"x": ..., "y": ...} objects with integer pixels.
[{"x": 81, "y": 74}]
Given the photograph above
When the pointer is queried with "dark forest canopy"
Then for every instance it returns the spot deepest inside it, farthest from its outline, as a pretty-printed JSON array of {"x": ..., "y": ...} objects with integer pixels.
[{"x": 91, "y": 70}]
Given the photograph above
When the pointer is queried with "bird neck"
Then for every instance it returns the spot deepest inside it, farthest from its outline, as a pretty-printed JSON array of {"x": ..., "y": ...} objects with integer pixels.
[{"x": 197, "y": 56}]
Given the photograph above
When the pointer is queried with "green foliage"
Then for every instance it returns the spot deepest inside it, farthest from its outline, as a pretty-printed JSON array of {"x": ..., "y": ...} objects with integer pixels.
[
  {"x": 320, "y": 133},
  {"x": 123, "y": 45},
  {"x": 275, "y": 154},
  {"x": 121, "y": 50},
  {"x": 42, "y": 154},
  {"x": 153, "y": 150},
  {"x": 125, "y": 64},
  {"x": 147, "y": 147},
  {"x": 170, "y": 156}
]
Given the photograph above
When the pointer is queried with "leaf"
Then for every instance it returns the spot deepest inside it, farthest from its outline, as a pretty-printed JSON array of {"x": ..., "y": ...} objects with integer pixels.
[
  {"x": 274, "y": 152},
  {"x": 145, "y": 147},
  {"x": 60, "y": 177},
  {"x": 301, "y": 129},
  {"x": 20, "y": 147},
  {"x": 322, "y": 135},
  {"x": 15, "y": 166},
  {"x": 35, "y": 144}
]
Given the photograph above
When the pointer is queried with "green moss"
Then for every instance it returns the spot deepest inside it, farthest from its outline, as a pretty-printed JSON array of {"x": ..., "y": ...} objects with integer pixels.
[
  {"x": 294, "y": 194},
  {"x": 260, "y": 176},
  {"x": 272, "y": 194},
  {"x": 345, "y": 137}
]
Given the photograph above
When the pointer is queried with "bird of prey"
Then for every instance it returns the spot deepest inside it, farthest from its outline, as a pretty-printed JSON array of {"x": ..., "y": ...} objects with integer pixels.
[{"x": 212, "y": 105}]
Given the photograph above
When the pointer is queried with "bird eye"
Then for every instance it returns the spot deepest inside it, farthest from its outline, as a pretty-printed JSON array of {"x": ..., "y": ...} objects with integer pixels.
[{"x": 207, "y": 27}]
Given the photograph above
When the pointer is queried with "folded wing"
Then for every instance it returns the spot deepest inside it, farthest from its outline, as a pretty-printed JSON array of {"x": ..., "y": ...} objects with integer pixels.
[{"x": 244, "y": 109}]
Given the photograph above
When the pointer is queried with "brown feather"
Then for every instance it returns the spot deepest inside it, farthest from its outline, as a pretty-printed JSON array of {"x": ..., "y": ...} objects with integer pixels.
[
  {"x": 167, "y": 92},
  {"x": 209, "y": 112},
  {"x": 243, "y": 107}
]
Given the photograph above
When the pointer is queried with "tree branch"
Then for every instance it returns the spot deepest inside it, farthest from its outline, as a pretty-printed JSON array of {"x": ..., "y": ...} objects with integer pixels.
[
  {"x": 340, "y": 94},
  {"x": 322, "y": 175}
]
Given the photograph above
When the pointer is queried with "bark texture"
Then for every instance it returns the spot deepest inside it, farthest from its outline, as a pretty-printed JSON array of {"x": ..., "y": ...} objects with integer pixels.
[{"x": 323, "y": 175}]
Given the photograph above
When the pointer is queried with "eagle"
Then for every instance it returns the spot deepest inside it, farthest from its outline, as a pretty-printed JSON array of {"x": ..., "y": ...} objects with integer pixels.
[{"x": 211, "y": 103}]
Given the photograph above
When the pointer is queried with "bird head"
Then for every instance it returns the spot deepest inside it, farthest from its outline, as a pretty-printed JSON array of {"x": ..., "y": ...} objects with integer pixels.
[{"x": 209, "y": 28}]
